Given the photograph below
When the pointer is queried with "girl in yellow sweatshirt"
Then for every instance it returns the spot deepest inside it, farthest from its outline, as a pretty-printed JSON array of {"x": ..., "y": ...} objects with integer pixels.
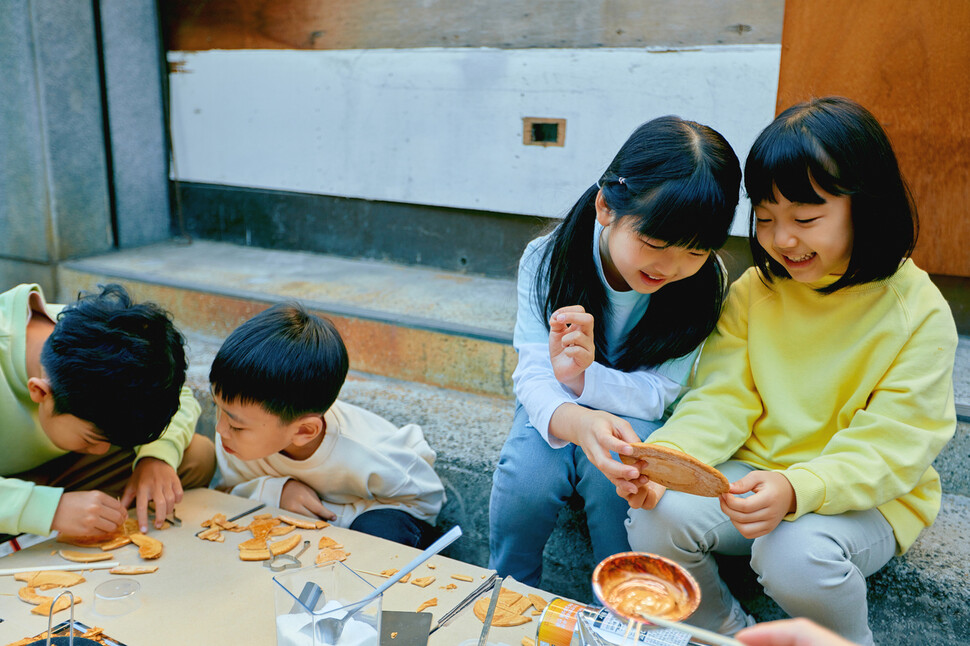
[{"x": 826, "y": 390}]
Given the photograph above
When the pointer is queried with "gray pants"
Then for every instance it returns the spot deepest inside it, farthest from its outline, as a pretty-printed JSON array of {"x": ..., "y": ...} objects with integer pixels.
[{"x": 813, "y": 567}]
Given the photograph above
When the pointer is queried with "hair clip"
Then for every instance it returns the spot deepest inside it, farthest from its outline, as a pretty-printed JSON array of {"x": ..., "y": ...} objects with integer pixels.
[{"x": 621, "y": 180}]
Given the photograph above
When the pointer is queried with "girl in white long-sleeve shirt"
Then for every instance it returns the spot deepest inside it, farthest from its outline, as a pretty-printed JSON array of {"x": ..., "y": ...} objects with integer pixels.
[{"x": 635, "y": 256}]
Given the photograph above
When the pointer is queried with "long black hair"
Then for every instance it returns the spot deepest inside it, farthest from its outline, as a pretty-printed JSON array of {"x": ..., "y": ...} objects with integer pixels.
[
  {"x": 841, "y": 146},
  {"x": 680, "y": 184}
]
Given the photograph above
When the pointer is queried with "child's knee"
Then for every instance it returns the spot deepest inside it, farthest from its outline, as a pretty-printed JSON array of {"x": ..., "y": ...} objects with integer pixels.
[
  {"x": 679, "y": 521},
  {"x": 514, "y": 501},
  {"x": 654, "y": 531},
  {"x": 781, "y": 557}
]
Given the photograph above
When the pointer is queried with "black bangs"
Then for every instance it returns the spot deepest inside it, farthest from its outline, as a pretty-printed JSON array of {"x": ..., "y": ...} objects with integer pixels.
[
  {"x": 790, "y": 161},
  {"x": 691, "y": 212},
  {"x": 841, "y": 147},
  {"x": 285, "y": 359},
  {"x": 674, "y": 181},
  {"x": 270, "y": 372}
]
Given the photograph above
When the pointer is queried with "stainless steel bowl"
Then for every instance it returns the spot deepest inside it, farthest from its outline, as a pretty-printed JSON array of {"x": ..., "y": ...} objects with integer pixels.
[{"x": 633, "y": 582}]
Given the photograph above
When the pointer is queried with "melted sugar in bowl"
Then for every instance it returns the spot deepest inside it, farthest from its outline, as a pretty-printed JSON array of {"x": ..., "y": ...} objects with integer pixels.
[{"x": 633, "y": 582}]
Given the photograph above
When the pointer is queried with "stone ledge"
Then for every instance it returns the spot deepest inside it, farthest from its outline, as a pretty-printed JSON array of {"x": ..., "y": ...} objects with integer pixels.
[
  {"x": 445, "y": 352},
  {"x": 922, "y": 595}
]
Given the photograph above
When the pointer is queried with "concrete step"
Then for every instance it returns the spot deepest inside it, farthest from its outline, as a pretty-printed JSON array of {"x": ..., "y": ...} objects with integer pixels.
[
  {"x": 923, "y": 596},
  {"x": 418, "y": 337},
  {"x": 410, "y": 323}
]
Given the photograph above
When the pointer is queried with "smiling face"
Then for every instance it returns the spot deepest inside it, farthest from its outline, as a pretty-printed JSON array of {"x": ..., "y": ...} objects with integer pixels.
[
  {"x": 638, "y": 263},
  {"x": 249, "y": 432},
  {"x": 810, "y": 241}
]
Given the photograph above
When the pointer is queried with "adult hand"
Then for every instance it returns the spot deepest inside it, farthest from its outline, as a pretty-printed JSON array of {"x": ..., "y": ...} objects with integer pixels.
[
  {"x": 790, "y": 632},
  {"x": 88, "y": 513},
  {"x": 152, "y": 480},
  {"x": 759, "y": 513},
  {"x": 300, "y": 498},
  {"x": 598, "y": 433},
  {"x": 571, "y": 347}
]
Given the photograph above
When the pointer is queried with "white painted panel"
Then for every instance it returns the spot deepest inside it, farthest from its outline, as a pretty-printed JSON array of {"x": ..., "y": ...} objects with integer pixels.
[{"x": 444, "y": 126}]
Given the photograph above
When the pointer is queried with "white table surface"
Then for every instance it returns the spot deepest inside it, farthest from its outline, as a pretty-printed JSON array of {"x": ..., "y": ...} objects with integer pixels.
[{"x": 203, "y": 594}]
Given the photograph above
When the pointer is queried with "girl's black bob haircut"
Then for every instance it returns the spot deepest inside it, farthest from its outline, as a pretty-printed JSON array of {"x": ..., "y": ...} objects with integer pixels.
[
  {"x": 839, "y": 145},
  {"x": 285, "y": 359}
]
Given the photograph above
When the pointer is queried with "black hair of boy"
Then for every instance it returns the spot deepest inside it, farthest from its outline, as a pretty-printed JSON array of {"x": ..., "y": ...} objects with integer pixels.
[
  {"x": 681, "y": 182},
  {"x": 285, "y": 359},
  {"x": 841, "y": 146},
  {"x": 116, "y": 364}
]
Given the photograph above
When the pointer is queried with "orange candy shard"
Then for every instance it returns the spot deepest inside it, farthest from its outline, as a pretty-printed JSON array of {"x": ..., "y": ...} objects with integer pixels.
[
  {"x": 148, "y": 548},
  {"x": 84, "y": 557}
]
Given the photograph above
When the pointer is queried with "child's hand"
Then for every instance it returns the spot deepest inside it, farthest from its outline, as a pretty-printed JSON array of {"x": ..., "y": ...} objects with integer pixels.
[
  {"x": 647, "y": 496},
  {"x": 761, "y": 512},
  {"x": 598, "y": 433},
  {"x": 571, "y": 347},
  {"x": 88, "y": 513},
  {"x": 302, "y": 499},
  {"x": 152, "y": 479}
]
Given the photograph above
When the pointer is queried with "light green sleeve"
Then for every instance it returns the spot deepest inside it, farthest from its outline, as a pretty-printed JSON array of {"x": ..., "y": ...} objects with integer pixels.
[
  {"x": 170, "y": 446},
  {"x": 714, "y": 419},
  {"x": 27, "y": 507}
]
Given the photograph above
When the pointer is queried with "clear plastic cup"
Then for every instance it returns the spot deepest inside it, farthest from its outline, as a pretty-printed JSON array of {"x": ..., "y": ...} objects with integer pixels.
[
  {"x": 116, "y": 597},
  {"x": 309, "y": 595}
]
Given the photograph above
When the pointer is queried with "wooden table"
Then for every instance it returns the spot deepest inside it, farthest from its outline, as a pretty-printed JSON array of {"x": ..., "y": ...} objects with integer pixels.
[{"x": 203, "y": 594}]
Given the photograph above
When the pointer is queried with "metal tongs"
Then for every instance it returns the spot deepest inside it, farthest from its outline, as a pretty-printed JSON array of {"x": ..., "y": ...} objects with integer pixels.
[
  {"x": 282, "y": 562},
  {"x": 70, "y": 626},
  {"x": 483, "y": 638},
  {"x": 464, "y": 603}
]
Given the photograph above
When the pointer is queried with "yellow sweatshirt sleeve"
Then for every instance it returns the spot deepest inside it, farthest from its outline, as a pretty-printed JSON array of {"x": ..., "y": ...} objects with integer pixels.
[
  {"x": 886, "y": 450},
  {"x": 177, "y": 435},
  {"x": 714, "y": 419}
]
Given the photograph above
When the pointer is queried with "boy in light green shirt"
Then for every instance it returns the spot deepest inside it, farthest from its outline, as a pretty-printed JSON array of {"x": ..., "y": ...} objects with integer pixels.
[{"x": 86, "y": 389}]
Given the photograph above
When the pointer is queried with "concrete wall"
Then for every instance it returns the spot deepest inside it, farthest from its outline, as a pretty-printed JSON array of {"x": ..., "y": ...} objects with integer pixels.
[
  {"x": 83, "y": 157},
  {"x": 444, "y": 127},
  {"x": 417, "y": 102},
  {"x": 53, "y": 181},
  {"x": 138, "y": 142}
]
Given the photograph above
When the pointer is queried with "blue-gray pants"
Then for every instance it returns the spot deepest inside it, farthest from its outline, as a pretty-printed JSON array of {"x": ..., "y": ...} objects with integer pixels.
[
  {"x": 813, "y": 567},
  {"x": 531, "y": 483}
]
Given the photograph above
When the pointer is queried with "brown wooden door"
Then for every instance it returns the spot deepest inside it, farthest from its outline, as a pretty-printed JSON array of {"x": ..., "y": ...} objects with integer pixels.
[{"x": 909, "y": 63}]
